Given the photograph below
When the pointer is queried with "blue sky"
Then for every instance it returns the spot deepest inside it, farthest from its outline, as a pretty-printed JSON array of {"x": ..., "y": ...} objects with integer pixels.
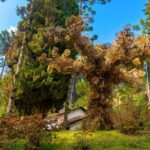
[
  {"x": 112, "y": 17},
  {"x": 109, "y": 19},
  {"x": 8, "y": 15}
]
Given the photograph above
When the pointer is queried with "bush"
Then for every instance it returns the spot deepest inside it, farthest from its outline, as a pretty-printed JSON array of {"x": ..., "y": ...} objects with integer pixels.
[
  {"x": 125, "y": 118},
  {"x": 16, "y": 144},
  {"x": 29, "y": 127},
  {"x": 144, "y": 119},
  {"x": 129, "y": 117}
]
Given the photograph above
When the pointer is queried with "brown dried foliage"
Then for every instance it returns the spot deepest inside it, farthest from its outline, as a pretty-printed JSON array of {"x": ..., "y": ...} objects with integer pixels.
[
  {"x": 30, "y": 127},
  {"x": 102, "y": 66}
]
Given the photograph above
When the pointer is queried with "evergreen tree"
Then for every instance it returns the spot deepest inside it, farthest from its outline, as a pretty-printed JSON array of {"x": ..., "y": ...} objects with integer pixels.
[
  {"x": 5, "y": 40},
  {"x": 36, "y": 90},
  {"x": 146, "y": 22},
  {"x": 146, "y": 30}
]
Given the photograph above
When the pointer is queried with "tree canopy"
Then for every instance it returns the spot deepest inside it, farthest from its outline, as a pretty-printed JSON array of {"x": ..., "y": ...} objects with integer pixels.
[
  {"x": 101, "y": 65},
  {"x": 146, "y": 22},
  {"x": 36, "y": 90}
]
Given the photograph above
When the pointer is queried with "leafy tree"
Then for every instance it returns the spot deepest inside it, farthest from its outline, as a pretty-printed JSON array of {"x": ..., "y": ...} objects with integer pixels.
[
  {"x": 83, "y": 92},
  {"x": 5, "y": 40},
  {"x": 146, "y": 22},
  {"x": 136, "y": 27},
  {"x": 87, "y": 12},
  {"x": 102, "y": 66},
  {"x": 125, "y": 93},
  {"x": 146, "y": 30},
  {"x": 4, "y": 93}
]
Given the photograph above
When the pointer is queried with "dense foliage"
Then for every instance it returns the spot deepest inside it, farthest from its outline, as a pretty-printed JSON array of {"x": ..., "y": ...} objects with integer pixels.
[
  {"x": 146, "y": 22},
  {"x": 83, "y": 93},
  {"x": 37, "y": 91},
  {"x": 102, "y": 66},
  {"x": 5, "y": 40},
  {"x": 43, "y": 40},
  {"x": 29, "y": 127},
  {"x": 130, "y": 116}
]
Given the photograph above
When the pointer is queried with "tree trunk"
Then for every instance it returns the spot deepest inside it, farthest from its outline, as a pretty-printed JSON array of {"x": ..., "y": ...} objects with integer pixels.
[
  {"x": 10, "y": 107},
  {"x": 99, "y": 116},
  {"x": 73, "y": 93},
  {"x": 66, "y": 114},
  {"x": 147, "y": 83},
  {"x": 68, "y": 100},
  {"x": 40, "y": 108}
]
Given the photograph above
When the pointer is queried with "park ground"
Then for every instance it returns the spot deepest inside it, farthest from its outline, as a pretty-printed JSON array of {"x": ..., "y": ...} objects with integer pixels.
[{"x": 74, "y": 140}]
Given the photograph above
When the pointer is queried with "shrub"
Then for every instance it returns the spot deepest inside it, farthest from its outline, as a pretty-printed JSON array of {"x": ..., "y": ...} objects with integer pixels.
[
  {"x": 125, "y": 118},
  {"x": 129, "y": 117},
  {"x": 16, "y": 144},
  {"x": 29, "y": 127},
  {"x": 144, "y": 123}
]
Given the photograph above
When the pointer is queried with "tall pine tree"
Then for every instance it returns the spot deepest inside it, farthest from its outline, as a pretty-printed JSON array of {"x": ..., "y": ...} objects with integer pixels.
[
  {"x": 36, "y": 90},
  {"x": 146, "y": 22}
]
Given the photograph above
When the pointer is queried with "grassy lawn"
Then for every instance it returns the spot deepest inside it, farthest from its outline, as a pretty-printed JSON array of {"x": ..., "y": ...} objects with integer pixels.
[{"x": 99, "y": 140}]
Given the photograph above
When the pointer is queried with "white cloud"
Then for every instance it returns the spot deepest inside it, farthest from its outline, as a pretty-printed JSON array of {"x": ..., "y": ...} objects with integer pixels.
[{"x": 12, "y": 28}]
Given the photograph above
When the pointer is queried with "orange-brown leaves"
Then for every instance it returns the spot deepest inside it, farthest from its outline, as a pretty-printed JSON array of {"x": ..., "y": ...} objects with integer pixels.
[
  {"x": 7, "y": 85},
  {"x": 43, "y": 58},
  {"x": 61, "y": 63},
  {"x": 74, "y": 25},
  {"x": 141, "y": 47},
  {"x": 31, "y": 127},
  {"x": 101, "y": 61},
  {"x": 136, "y": 61},
  {"x": 102, "y": 65}
]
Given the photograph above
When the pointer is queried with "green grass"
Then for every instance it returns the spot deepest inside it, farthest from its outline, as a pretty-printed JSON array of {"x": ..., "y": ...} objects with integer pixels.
[
  {"x": 99, "y": 140},
  {"x": 103, "y": 140}
]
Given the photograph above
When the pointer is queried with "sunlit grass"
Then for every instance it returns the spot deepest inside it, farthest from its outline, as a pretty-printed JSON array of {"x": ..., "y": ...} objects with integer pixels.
[
  {"x": 101, "y": 140},
  {"x": 98, "y": 140}
]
